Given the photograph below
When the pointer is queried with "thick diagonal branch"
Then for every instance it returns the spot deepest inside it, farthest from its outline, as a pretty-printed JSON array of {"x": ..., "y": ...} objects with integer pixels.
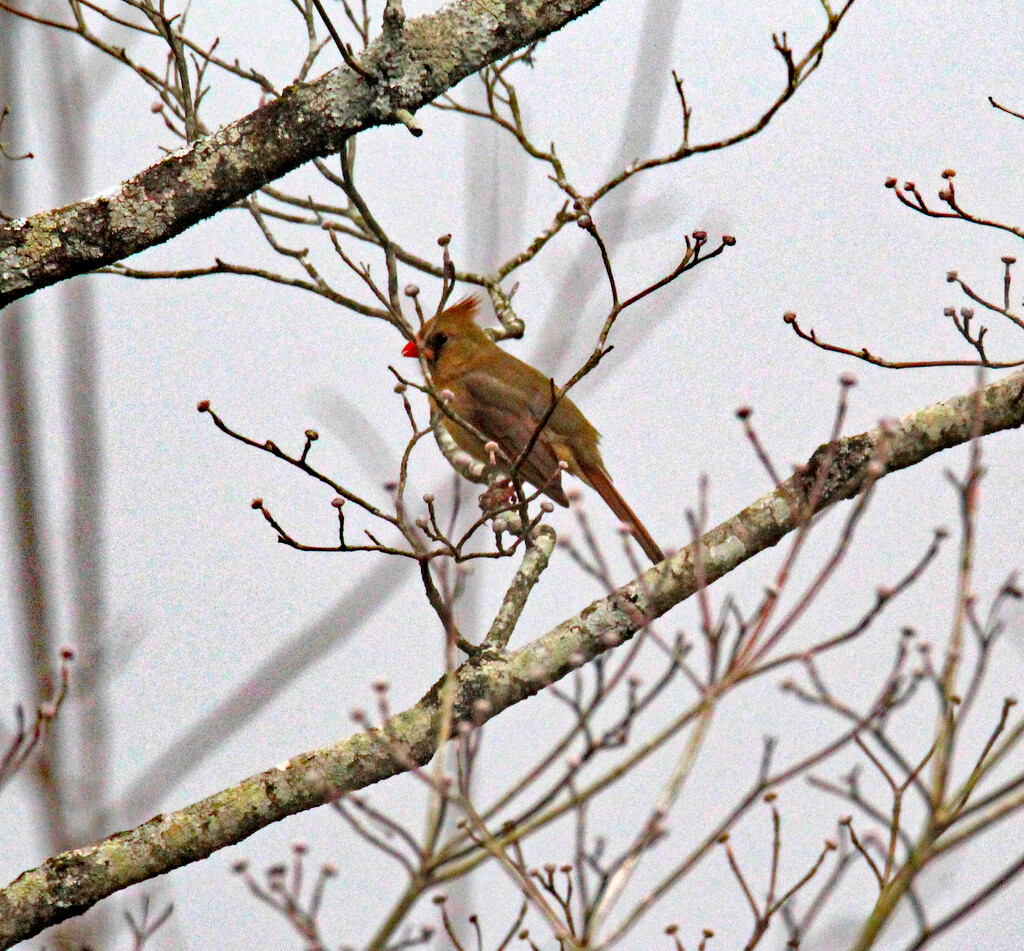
[
  {"x": 68, "y": 884},
  {"x": 429, "y": 56}
]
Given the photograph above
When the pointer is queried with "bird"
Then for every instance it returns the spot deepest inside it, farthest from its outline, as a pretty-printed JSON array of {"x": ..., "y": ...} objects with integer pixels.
[{"x": 506, "y": 399}]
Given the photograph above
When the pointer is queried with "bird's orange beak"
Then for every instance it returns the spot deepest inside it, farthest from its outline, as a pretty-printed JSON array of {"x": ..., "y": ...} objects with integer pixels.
[{"x": 415, "y": 349}]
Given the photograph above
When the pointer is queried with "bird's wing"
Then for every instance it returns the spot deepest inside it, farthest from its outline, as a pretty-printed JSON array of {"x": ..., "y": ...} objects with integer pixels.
[{"x": 504, "y": 414}]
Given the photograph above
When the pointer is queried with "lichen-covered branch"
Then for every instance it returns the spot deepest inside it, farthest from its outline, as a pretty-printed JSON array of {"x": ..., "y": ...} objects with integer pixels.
[
  {"x": 486, "y": 685},
  {"x": 425, "y": 58},
  {"x": 535, "y": 560}
]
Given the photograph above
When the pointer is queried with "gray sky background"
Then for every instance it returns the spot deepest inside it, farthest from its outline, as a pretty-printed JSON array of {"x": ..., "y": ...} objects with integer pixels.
[{"x": 194, "y": 580}]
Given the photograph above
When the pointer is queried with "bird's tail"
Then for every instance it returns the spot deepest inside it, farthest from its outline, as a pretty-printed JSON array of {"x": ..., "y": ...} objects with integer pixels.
[{"x": 602, "y": 484}]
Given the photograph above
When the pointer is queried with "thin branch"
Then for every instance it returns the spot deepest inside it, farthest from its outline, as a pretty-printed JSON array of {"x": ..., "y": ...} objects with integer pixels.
[{"x": 174, "y": 839}]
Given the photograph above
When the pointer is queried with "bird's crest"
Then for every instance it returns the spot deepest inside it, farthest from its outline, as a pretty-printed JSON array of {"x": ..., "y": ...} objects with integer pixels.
[{"x": 465, "y": 309}]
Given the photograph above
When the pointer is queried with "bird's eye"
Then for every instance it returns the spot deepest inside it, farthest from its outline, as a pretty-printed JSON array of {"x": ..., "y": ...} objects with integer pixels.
[{"x": 436, "y": 342}]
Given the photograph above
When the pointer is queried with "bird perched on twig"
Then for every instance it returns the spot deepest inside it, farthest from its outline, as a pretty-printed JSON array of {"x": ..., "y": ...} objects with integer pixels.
[{"x": 506, "y": 400}]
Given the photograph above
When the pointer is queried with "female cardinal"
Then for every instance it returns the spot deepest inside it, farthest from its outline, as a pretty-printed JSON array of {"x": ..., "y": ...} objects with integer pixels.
[{"x": 505, "y": 399}]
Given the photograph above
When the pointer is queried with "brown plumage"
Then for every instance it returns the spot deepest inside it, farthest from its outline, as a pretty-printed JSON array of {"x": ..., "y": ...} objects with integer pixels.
[{"x": 505, "y": 399}]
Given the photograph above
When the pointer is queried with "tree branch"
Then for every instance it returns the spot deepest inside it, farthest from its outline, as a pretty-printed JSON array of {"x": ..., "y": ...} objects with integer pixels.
[
  {"x": 429, "y": 56},
  {"x": 68, "y": 884}
]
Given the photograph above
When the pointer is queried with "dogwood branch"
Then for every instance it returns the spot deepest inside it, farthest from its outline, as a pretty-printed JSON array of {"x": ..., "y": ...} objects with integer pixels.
[
  {"x": 484, "y": 686},
  {"x": 425, "y": 58}
]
